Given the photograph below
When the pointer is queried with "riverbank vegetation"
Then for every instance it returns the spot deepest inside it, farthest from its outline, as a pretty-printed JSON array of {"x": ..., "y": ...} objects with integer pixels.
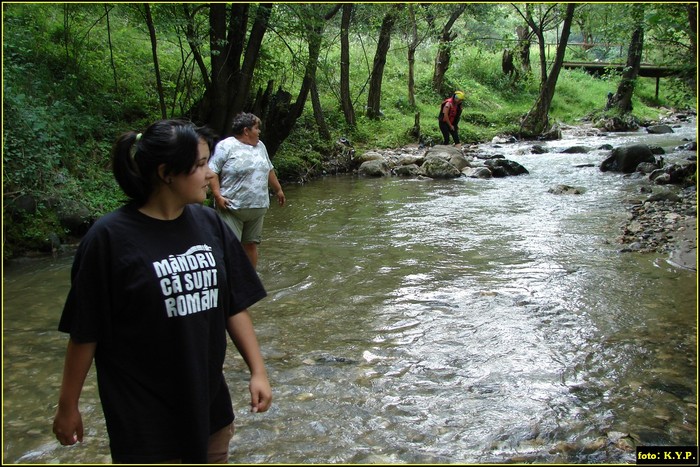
[{"x": 76, "y": 75}]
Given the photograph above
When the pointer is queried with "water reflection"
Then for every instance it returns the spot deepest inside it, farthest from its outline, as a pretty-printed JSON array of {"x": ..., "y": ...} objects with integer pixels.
[{"x": 407, "y": 321}]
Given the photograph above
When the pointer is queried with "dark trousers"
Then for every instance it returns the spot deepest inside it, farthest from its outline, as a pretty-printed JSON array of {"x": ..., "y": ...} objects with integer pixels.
[{"x": 446, "y": 132}]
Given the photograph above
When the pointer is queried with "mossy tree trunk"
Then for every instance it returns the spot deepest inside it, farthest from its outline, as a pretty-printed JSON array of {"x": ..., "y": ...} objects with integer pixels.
[
  {"x": 442, "y": 59},
  {"x": 536, "y": 122},
  {"x": 383, "y": 44},
  {"x": 622, "y": 99},
  {"x": 345, "y": 99}
]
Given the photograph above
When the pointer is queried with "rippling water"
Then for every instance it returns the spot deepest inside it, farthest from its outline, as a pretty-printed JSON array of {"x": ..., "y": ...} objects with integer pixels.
[{"x": 413, "y": 321}]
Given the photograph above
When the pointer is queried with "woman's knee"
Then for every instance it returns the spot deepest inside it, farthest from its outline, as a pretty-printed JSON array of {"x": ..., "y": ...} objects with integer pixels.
[{"x": 219, "y": 445}]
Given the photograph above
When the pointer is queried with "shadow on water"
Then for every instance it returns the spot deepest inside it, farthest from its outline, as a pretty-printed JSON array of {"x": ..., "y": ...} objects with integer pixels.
[{"x": 407, "y": 321}]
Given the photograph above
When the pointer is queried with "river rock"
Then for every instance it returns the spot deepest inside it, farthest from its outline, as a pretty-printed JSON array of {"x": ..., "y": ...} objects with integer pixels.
[
  {"x": 504, "y": 139},
  {"x": 659, "y": 129},
  {"x": 682, "y": 173},
  {"x": 442, "y": 151},
  {"x": 411, "y": 159},
  {"x": 374, "y": 168},
  {"x": 410, "y": 170},
  {"x": 369, "y": 156},
  {"x": 664, "y": 196},
  {"x": 504, "y": 167},
  {"x": 692, "y": 146},
  {"x": 647, "y": 167},
  {"x": 73, "y": 215},
  {"x": 459, "y": 161},
  {"x": 554, "y": 133},
  {"x": 477, "y": 172},
  {"x": 626, "y": 158},
  {"x": 437, "y": 167},
  {"x": 21, "y": 206},
  {"x": 576, "y": 150},
  {"x": 565, "y": 190}
]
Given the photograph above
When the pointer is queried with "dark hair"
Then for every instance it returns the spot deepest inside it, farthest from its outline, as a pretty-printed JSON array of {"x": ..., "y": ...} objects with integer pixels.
[
  {"x": 242, "y": 121},
  {"x": 137, "y": 156},
  {"x": 208, "y": 135}
]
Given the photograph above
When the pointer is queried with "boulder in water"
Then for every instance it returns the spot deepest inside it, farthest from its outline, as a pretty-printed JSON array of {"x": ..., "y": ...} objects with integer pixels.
[{"x": 625, "y": 159}]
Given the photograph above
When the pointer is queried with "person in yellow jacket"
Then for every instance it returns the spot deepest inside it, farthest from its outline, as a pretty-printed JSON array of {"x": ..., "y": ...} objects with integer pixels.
[{"x": 450, "y": 111}]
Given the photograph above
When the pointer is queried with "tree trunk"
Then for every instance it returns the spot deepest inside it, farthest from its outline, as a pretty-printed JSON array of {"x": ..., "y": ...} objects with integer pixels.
[
  {"x": 229, "y": 83},
  {"x": 323, "y": 131},
  {"x": 278, "y": 126},
  {"x": 693, "y": 38},
  {"x": 383, "y": 44},
  {"x": 693, "y": 30},
  {"x": 523, "y": 48},
  {"x": 411, "y": 55},
  {"x": 622, "y": 99},
  {"x": 241, "y": 89},
  {"x": 225, "y": 65},
  {"x": 154, "y": 47},
  {"x": 111, "y": 51},
  {"x": 536, "y": 122},
  {"x": 442, "y": 60},
  {"x": 192, "y": 41},
  {"x": 541, "y": 45},
  {"x": 345, "y": 99}
]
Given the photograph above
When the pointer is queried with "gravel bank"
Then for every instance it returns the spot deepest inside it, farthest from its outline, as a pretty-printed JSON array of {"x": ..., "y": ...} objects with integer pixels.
[{"x": 666, "y": 223}]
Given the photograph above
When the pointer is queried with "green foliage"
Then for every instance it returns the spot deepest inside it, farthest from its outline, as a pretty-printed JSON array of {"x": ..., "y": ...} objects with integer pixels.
[{"x": 68, "y": 92}]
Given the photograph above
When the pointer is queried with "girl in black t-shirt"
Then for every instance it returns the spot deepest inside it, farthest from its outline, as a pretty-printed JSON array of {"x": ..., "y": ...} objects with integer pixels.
[{"x": 155, "y": 287}]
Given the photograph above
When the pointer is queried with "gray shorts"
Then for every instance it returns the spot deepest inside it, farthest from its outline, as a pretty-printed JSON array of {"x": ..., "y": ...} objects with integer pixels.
[{"x": 247, "y": 224}]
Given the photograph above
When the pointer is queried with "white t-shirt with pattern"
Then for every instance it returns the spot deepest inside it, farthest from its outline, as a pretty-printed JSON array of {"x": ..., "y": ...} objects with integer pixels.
[{"x": 243, "y": 172}]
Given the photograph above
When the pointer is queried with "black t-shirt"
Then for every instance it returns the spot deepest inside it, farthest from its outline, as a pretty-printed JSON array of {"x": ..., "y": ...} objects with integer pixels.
[{"x": 155, "y": 296}]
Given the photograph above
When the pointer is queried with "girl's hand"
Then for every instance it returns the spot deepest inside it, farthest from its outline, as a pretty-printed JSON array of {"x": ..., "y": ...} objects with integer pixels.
[
  {"x": 260, "y": 394},
  {"x": 68, "y": 427}
]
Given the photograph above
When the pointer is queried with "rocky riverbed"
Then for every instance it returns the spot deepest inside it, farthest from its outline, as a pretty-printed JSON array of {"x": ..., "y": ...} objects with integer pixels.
[{"x": 664, "y": 222}]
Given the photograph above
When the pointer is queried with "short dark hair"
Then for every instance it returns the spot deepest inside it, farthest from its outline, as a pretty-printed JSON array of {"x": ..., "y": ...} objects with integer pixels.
[{"x": 242, "y": 121}]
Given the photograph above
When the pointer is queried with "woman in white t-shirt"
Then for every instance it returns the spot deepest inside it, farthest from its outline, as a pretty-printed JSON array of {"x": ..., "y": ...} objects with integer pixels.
[{"x": 244, "y": 176}]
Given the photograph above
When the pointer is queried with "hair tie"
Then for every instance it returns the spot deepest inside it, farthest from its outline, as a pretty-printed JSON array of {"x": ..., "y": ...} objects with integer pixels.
[{"x": 132, "y": 151}]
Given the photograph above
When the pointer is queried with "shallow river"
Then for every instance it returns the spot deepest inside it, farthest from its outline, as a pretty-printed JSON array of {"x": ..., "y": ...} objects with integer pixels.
[{"x": 459, "y": 321}]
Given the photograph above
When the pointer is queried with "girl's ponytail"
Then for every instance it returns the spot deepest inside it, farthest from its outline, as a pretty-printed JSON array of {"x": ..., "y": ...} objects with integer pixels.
[{"x": 125, "y": 167}]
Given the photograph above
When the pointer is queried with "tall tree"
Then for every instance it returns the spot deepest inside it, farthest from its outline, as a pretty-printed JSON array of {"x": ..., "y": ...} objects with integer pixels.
[
  {"x": 282, "y": 114},
  {"x": 546, "y": 19},
  {"x": 536, "y": 121},
  {"x": 442, "y": 59},
  {"x": 383, "y": 44},
  {"x": 692, "y": 10},
  {"x": 229, "y": 81},
  {"x": 411, "y": 55},
  {"x": 692, "y": 31},
  {"x": 111, "y": 49},
  {"x": 345, "y": 99},
  {"x": 622, "y": 99},
  {"x": 524, "y": 34},
  {"x": 154, "y": 50}
]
